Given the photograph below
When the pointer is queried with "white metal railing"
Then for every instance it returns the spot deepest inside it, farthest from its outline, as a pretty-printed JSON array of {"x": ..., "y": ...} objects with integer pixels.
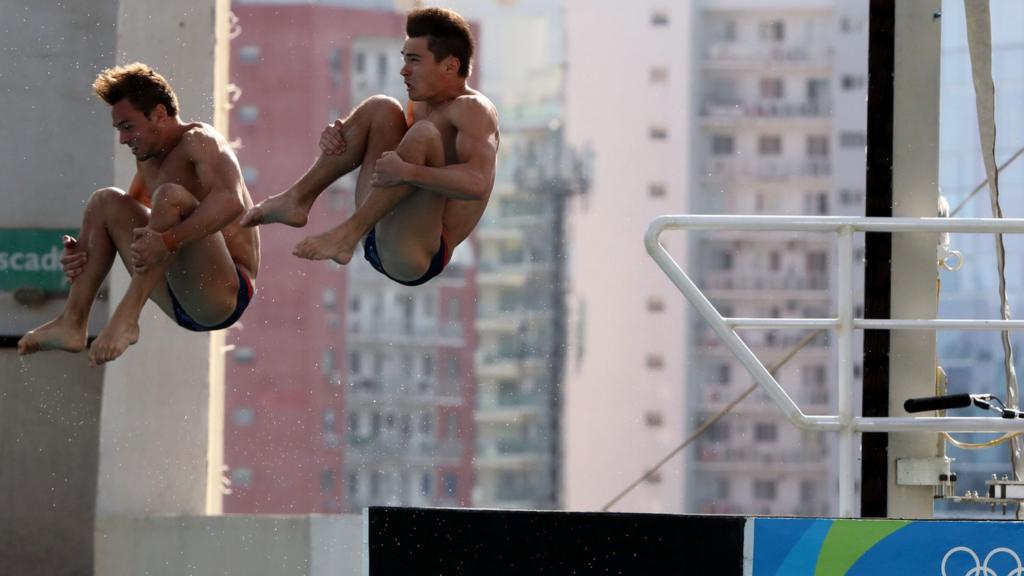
[{"x": 844, "y": 422}]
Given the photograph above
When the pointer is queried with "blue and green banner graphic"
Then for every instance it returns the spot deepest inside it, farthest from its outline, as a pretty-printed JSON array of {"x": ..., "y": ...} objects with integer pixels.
[
  {"x": 818, "y": 547},
  {"x": 30, "y": 258}
]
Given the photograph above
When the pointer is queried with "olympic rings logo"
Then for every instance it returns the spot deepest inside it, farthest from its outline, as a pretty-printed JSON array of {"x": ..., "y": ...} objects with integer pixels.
[{"x": 981, "y": 568}]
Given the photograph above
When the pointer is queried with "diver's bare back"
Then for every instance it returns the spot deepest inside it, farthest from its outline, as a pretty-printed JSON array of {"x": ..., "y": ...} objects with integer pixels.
[
  {"x": 464, "y": 213},
  {"x": 178, "y": 167}
]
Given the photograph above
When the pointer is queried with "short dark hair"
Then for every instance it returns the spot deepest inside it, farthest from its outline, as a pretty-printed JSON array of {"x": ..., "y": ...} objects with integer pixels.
[
  {"x": 140, "y": 84},
  {"x": 447, "y": 35}
]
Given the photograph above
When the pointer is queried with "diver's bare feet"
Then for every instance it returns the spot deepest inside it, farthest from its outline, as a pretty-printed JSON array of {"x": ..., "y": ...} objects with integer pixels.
[
  {"x": 60, "y": 333},
  {"x": 284, "y": 208},
  {"x": 338, "y": 244},
  {"x": 113, "y": 341}
]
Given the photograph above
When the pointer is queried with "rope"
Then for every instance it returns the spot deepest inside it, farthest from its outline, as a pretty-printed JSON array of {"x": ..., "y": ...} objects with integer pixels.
[{"x": 710, "y": 422}]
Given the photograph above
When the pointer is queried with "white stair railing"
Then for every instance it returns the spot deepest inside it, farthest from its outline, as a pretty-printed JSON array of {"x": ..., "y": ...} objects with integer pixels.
[{"x": 844, "y": 421}]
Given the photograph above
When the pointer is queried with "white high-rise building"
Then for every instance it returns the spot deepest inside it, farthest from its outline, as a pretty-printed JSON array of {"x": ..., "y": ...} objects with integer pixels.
[{"x": 706, "y": 107}]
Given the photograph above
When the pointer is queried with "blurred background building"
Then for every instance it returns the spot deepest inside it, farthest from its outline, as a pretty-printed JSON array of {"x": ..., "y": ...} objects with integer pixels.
[{"x": 707, "y": 107}]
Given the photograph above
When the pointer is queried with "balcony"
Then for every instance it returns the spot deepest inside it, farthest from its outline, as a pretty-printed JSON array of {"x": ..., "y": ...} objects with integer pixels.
[
  {"x": 732, "y": 55},
  {"x": 712, "y": 457},
  {"x": 765, "y": 169},
  {"x": 393, "y": 447},
  {"x": 391, "y": 332},
  {"x": 766, "y": 109},
  {"x": 730, "y": 280},
  {"x": 403, "y": 391},
  {"x": 509, "y": 454},
  {"x": 492, "y": 407}
]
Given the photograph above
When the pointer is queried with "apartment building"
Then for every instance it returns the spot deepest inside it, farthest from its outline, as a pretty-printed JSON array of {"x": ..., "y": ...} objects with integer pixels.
[
  {"x": 747, "y": 108},
  {"x": 343, "y": 389}
]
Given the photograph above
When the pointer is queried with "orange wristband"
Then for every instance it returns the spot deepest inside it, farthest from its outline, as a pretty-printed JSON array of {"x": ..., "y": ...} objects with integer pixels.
[{"x": 170, "y": 242}]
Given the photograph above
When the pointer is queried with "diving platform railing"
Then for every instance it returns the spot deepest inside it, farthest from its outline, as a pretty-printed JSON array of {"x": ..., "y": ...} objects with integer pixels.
[{"x": 845, "y": 422}]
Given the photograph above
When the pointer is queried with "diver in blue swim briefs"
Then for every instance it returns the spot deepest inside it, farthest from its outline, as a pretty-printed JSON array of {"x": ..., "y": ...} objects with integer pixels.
[
  {"x": 426, "y": 172},
  {"x": 176, "y": 228}
]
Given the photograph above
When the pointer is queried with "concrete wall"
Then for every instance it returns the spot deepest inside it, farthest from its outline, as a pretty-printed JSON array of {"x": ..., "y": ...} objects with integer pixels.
[
  {"x": 155, "y": 437},
  {"x": 55, "y": 151},
  {"x": 230, "y": 545}
]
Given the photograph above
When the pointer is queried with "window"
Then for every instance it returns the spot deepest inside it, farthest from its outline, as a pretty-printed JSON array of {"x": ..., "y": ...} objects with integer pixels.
[
  {"x": 772, "y": 88},
  {"x": 853, "y": 139},
  {"x": 248, "y": 114},
  {"x": 428, "y": 365},
  {"x": 764, "y": 489},
  {"x": 244, "y": 354},
  {"x": 774, "y": 261},
  {"x": 330, "y": 420},
  {"x": 653, "y": 419},
  {"x": 657, "y": 189},
  {"x": 327, "y": 480},
  {"x": 360, "y": 64},
  {"x": 426, "y": 484},
  {"x": 451, "y": 426},
  {"x": 453, "y": 367},
  {"x": 852, "y": 81},
  {"x": 451, "y": 483},
  {"x": 816, "y": 203},
  {"x": 658, "y": 133},
  {"x": 722, "y": 487},
  {"x": 817, "y": 146},
  {"x": 242, "y": 416},
  {"x": 426, "y": 423},
  {"x": 772, "y": 31},
  {"x": 851, "y": 197},
  {"x": 769, "y": 145},
  {"x": 376, "y": 479},
  {"x": 382, "y": 66},
  {"x": 454, "y": 309},
  {"x": 330, "y": 298},
  {"x": 727, "y": 31},
  {"x": 659, "y": 75},
  {"x": 816, "y": 262},
  {"x": 659, "y": 18},
  {"x": 766, "y": 432},
  {"x": 241, "y": 477},
  {"x": 723, "y": 374},
  {"x": 849, "y": 25},
  {"x": 250, "y": 174},
  {"x": 808, "y": 491},
  {"x": 353, "y": 485},
  {"x": 718, "y": 432},
  {"x": 723, "y": 145},
  {"x": 249, "y": 54}
]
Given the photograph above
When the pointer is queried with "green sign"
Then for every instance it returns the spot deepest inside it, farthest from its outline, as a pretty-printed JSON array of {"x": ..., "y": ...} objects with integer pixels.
[{"x": 30, "y": 258}]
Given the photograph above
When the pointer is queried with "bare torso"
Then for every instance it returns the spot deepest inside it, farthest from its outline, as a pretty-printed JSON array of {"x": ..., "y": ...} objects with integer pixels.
[
  {"x": 461, "y": 216},
  {"x": 178, "y": 167}
]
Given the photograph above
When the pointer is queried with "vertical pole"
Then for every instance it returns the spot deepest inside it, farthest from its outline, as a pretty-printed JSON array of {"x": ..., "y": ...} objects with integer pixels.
[
  {"x": 844, "y": 343},
  {"x": 915, "y": 194},
  {"x": 877, "y": 253}
]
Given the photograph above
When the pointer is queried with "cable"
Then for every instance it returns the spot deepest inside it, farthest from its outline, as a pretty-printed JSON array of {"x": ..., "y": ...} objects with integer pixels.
[
  {"x": 983, "y": 184},
  {"x": 709, "y": 422}
]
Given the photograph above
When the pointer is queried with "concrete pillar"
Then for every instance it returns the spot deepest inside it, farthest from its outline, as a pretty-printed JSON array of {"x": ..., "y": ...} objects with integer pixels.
[
  {"x": 915, "y": 193},
  {"x": 54, "y": 152},
  {"x": 162, "y": 411}
]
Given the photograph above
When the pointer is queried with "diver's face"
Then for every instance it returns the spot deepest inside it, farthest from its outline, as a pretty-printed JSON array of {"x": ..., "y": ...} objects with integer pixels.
[{"x": 135, "y": 130}]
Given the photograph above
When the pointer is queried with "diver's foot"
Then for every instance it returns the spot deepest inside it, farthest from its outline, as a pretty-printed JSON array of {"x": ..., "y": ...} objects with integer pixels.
[
  {"x": 113, "y": 341},
  {"x": 58, "y": 334},
  {"x": 283, "y": 208},
  {"x": 338, "y": 244}
]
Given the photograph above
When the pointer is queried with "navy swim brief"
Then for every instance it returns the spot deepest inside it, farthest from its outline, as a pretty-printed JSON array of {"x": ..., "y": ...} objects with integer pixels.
[
  {"x": 245, "y": 293},
  {"x": 437, "y": 263}
]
